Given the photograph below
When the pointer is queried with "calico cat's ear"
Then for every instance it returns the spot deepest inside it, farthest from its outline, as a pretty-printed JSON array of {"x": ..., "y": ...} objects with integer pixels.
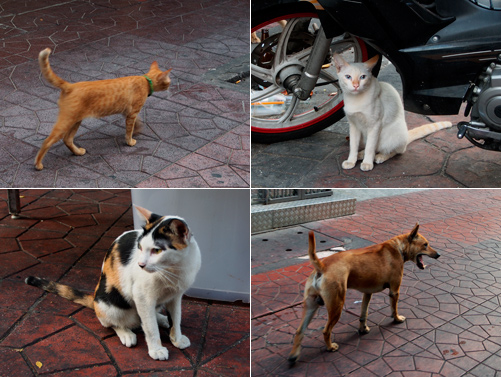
[
  {"x": 371, "y": 63},
  {"x": 179, "y": 228},
  {"x": 147, "y": 216},
  {"x": 339, "y": 62}
]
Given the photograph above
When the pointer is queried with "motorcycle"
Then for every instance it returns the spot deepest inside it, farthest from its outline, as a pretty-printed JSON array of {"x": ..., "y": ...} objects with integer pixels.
[{"x": 446, "y": 51}]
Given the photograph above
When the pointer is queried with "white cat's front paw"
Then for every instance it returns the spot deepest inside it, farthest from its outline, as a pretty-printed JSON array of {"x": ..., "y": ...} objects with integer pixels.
[
  {"x": 366, "y": 166},
  {"x": 182, "y": 343},
  {"x": 159, "y": 353},
  {"x": 348, "y": 164}
]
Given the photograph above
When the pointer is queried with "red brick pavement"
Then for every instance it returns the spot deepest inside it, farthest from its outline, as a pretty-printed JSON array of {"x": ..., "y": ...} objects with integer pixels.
[
  {"x": 63, "y": 235},
  {"x": 453, "y": 325}
]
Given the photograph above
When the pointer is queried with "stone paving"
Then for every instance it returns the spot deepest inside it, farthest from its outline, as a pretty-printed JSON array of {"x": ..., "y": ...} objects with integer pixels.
[
  {"x": 63, "y": 235},
  {"x": 195, "y": 135},
  {"x": 453, "y": 325},
  {"x": 439, "y": 160}
]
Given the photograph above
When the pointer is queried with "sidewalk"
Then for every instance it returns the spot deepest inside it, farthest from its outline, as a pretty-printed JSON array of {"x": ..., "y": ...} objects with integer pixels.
[
  {"x": 195, "y": 135},
  {"x": 453, "y": 325},
  {"x": 439, "y": 160},
  {"x": 63, "y": 235}
]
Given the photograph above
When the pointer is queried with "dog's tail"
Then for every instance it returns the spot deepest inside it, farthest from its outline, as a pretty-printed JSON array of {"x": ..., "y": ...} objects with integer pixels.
[
  {"x": 317, "y": 263},
  {"x": 68, "y": 293},
  {"x": 426, "y": 129},
  {"x": 48, "y": 73}
]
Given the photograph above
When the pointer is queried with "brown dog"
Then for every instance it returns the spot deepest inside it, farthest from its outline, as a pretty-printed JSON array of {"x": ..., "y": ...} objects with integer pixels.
[{"x": 369, "y": 270}]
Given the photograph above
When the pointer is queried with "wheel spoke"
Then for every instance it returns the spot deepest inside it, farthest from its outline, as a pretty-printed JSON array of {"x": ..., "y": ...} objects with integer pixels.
[
  {"x": 260, "y": 95},
  {"x": 289, "y": 113}
]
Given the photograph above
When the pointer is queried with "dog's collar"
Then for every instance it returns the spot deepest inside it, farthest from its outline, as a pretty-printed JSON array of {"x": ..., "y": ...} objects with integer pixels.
[{"x": 151, "y": 85}]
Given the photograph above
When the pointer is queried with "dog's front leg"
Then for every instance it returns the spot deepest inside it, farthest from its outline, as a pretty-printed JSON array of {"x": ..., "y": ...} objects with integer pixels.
[
  {"x": 364, "y": 329},
  {"x": 310, "y": 307},
  {"x": 394, "y": 294}
]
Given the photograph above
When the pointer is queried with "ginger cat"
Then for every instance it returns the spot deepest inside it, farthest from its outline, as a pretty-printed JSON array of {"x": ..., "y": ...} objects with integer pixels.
[
  {"x": 125, "y": 95},
  {"x": 143, "y": 271},
  {"x": 376, "y": 115}
]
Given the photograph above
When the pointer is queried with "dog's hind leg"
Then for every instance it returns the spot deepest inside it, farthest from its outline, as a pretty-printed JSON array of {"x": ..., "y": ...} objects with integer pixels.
[
  {"x": 334, "y": 305},
  {"x": 364, "y": 329},
  {"x": 310, "y": 307}
]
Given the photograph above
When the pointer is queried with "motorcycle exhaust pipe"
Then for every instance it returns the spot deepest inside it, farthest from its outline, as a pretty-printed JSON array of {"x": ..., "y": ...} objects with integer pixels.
[{"x": 310, "y": 74}]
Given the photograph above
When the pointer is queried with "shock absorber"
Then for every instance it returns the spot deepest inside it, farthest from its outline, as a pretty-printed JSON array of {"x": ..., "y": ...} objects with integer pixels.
[{"x": 302, "y": 88}]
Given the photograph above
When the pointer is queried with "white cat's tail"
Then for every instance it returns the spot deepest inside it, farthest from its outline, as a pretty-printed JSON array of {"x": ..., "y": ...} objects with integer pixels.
[
  {"x": 47, "y": 72},
  {"x": 426, "y": 129}
]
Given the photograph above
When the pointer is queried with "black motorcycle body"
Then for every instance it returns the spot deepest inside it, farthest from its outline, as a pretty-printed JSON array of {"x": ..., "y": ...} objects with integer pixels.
[{"x": 446, "y": 52}]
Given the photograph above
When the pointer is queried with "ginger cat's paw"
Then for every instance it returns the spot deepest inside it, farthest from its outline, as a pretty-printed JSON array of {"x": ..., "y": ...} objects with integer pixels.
[
  {"x": 80, "y": 151},
  {"x": 159, "y": 353},
  {"x": 182, "y": 343},
  {"x": 39, "y": 166},
  {"x": 366, "y": 166},
  {"x": 348, "y": 165},
  {"x": 131, "y": 142}
]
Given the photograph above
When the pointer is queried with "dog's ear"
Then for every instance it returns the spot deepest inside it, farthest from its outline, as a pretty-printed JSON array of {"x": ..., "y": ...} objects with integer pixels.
[{"x": 414, "y": 232}]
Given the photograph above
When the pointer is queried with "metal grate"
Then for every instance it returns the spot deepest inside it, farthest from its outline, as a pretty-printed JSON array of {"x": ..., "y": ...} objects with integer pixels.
[{"x": 272, "y": 196}]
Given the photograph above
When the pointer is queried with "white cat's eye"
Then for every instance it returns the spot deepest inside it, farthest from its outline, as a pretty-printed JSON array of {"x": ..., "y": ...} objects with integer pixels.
[
  {"x": 363, "y": 77},
  {"x": 348, "y": 77}
]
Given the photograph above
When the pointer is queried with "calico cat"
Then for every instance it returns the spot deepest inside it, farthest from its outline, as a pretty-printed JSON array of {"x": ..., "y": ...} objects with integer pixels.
[
  {"x": 143, "y": 270},
  {"x": 376, "y": 115},
  {"x": 125, "y": 95}
]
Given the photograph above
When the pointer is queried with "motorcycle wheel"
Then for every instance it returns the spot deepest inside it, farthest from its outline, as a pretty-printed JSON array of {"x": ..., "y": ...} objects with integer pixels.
[{"x": 276, "y": 116}]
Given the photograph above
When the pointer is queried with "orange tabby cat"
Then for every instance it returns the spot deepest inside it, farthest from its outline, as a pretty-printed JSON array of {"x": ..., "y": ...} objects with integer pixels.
[{"x": 125, "y": 95}]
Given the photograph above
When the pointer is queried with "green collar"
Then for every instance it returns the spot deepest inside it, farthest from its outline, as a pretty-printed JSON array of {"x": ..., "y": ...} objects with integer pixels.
[{"x": 151, "y": 85}]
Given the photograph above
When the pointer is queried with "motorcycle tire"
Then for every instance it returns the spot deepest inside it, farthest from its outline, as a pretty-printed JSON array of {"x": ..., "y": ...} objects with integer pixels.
[{"x": 265, "y": 130}]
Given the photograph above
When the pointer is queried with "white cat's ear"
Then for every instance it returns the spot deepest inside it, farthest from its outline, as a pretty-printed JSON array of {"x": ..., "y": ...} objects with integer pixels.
[
  {"x": 145, "y": 214},
  {"x": 371, "y": 63},
  {"x": 339, "y": 62}
]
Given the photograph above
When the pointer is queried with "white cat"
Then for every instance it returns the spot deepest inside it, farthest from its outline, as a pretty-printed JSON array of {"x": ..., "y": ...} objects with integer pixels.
[{"x": 376, "y": 115}]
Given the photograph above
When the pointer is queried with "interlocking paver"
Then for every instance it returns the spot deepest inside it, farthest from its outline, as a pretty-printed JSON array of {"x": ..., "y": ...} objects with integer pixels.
[
  {"x": 453, "y": 325},
  {"x": 63, "y": 235},
  {"x": 102, "y": 40}
]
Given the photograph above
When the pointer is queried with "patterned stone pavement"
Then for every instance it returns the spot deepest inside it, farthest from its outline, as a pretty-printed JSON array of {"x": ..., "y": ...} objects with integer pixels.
[
  {"x": 63, "y": 235},
  {"x": 453, "y": 325},
  {"x": 195, "y": 135}
]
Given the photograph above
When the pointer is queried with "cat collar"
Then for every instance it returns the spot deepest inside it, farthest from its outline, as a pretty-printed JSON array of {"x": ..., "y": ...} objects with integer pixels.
[{"x": 150, "y": 83}]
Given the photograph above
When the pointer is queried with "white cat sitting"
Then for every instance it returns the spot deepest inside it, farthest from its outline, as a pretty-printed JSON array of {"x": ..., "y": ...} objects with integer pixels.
[{"x": 376, "y": 115}]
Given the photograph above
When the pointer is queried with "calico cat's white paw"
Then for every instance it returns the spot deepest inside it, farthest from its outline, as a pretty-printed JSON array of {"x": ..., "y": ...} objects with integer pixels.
[
  {"x": 348, "y": 164},
  {"x": 159, "y": 353},
  {"x": 127, "y": 337},
  {"x": 366, "y": 166},
  {"x": 183, "y": 342}
]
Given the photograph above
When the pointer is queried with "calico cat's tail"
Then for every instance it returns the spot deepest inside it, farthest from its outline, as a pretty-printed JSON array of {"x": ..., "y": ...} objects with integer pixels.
[
  {"x": 69, "y": 293},
  {"x": 426, "y": 129},
  {"x": 47, "y": 72}
]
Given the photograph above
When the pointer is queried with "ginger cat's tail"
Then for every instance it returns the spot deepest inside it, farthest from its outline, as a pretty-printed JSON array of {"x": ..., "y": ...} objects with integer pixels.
[
  {"x": 426, "y": 129},
  {"x": 47, "y": 72},
  {"x": 65, "y": 291}
]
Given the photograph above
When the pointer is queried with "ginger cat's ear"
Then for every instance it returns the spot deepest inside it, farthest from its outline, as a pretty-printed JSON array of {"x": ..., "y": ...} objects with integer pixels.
[
  {"x": 339, "y": 62},
  {"x": 372, "y": 62},
  {"x": 164, "y": 75},
  {"x": 154, "y": 65}
]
